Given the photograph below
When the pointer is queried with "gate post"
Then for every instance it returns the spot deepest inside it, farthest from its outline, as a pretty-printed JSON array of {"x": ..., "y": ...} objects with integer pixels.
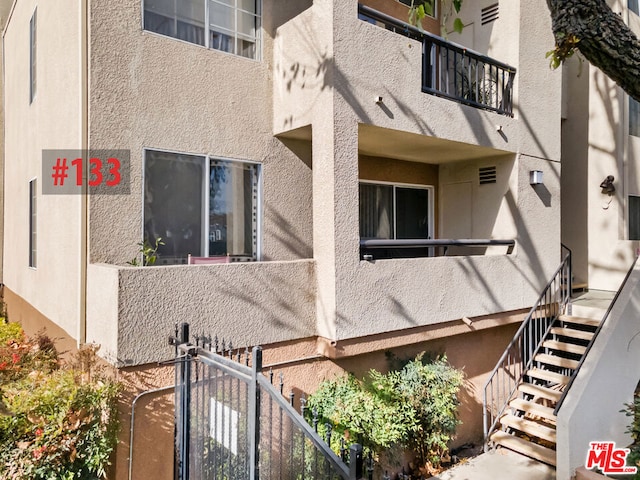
[
  {"x": 254, "y": 414},
  {"x": 355, "y": 462},
  {"x": 183, "y": 408}
]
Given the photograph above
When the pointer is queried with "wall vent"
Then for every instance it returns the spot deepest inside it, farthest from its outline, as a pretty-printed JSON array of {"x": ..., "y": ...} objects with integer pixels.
[
  {"x": 487, "y": 175},
  {"x": 489, "y": 14}
]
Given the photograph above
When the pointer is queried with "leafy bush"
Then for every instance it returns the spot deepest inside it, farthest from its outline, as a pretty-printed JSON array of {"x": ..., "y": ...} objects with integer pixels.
[
  {"x": 415, "y": 407},
  {"x": 55, "y": 423},
  {"x": 633, "y": 410}
]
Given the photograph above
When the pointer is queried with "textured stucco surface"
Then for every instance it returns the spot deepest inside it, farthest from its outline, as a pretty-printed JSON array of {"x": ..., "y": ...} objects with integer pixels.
[
  {"x": 52, "y": 120},
  {"x": 135, "y": 309},
  {"x": 162, "y": 93},
  {"x": 596, "y": 143},
  {"x": 604, "y": 384},
  {"x": 5, "y": 6},
  {"x": 359, "y": 298}
]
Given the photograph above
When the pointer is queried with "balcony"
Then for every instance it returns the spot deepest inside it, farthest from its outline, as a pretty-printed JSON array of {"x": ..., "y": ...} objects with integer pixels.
[{"x": 453, "y": 71}]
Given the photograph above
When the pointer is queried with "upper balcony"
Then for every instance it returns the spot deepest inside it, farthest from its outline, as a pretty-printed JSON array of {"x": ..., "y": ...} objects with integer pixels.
[
  {"x": 393, "y": 75},
  {"x": 452, "y": 71}
]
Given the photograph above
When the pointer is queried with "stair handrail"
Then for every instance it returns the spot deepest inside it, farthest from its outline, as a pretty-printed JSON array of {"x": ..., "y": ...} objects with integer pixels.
[
  {"x": 593, "y": 339},
  {"x": 518, "y": 356}
]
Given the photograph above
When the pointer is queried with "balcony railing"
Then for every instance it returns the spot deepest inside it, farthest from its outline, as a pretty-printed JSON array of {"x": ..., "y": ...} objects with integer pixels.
[
  {"x": 452, "y": 71},
  {"x": 369, "y": 247}
]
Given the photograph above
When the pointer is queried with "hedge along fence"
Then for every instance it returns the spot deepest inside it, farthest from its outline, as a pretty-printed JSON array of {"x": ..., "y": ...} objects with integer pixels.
[
  {"x": 414, "y": 409},
  {"x": 56, "y": 422}
]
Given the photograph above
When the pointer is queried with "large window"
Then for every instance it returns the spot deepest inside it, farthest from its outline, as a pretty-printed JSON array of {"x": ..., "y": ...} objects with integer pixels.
[
  {"x": 200, "y": 206},
  {"x": 33, "y": 216},
  {"x": 32, "y": 56},
  {"x": 634, "y": 117},
  {"x": 232, "y": 26},
  {"x": 634, "y": 217},
  {"x": 633, "y": 6},
  {"x": 389, "y": 211}
]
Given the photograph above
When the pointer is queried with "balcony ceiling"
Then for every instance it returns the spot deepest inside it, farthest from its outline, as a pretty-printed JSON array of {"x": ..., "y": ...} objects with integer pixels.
[
  {"x": 401, "y": 145},
  {"x": 383, "y": 142}
]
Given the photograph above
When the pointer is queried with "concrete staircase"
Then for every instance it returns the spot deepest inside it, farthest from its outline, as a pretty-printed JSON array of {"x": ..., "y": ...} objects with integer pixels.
[{"x": 528, "y": 426}]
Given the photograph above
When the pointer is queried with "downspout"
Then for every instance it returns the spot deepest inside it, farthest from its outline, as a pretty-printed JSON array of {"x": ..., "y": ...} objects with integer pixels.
[{"x": 84, "y": 197}]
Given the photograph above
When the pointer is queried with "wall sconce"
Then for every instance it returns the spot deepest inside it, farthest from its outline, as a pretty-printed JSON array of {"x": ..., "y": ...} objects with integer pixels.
[
  {"x": 607, "y": 185},
  {"x": 535, "y": 177}
]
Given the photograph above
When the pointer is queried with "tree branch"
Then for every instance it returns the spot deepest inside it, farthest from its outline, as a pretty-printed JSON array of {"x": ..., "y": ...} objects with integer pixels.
[{"x": 601, "y": 36}]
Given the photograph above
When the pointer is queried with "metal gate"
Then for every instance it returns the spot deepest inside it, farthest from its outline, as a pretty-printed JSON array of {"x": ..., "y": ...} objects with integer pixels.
[{"x": 233, "y": 424}]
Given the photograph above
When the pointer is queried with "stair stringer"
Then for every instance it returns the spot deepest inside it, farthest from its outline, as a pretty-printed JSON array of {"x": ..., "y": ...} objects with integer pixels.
[{"x": 605, "y": 382}]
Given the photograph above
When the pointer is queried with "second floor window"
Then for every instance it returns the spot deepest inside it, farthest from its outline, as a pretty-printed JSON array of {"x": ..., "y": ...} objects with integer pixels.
[{"x": 232, "y": 26}]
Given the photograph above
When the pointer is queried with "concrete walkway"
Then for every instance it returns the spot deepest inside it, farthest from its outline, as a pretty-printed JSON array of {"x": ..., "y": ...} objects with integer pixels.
[{"x": 501, "y": 464}]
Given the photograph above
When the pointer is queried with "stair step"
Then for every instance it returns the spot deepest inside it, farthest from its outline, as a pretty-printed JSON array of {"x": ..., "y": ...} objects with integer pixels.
[
  {"x": 540, "y": 391},
  {"x": 533, "y": 408},
  {"x": 572, "y": 333},
  {"x": 591, "y": 322},
  {"x": 564, "y": 347},
  {"x": 556, "y": 361},
  {"x": 528, "y": 427},
  {"x": 524, "y": 447},
  {"x": 548, "y": 376}
]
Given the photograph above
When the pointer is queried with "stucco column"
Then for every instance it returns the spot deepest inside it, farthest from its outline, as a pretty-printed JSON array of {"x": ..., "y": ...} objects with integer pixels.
[{"x": 335, "y": 184}]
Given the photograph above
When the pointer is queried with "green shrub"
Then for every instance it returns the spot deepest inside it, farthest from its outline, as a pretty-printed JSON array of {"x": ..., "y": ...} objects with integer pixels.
[
  {"x": 415, "y": 408},
  {"x": 633, "y": 410},
  {"x": 56, "y": 423}
]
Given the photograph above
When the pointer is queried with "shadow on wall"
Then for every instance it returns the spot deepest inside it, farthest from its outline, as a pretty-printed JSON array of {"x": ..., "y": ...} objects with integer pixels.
[{"x": 154, "y": 425}]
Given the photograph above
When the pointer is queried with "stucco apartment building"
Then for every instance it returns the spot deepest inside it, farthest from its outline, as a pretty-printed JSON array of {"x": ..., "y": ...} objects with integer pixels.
[{"x": 276, "y": 138}]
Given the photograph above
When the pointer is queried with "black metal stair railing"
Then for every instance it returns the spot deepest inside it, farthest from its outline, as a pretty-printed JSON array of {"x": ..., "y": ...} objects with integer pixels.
[
  {"x": 453, "y": 71},
  {"x": 519, "y": 354}
]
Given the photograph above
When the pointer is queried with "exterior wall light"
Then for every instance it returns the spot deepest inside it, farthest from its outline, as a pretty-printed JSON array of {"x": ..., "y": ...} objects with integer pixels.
[
  {"x": 607, "y": 185},
  {"x": 535, "y": 177}
]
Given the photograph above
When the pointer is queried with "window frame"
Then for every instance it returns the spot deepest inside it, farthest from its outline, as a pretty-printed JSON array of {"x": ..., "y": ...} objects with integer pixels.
[
  {"x": 430, "y": 199},
  {"x": 207, "y": 29},
  {"x": 33, "y": 38},
  {"x": 633, "y": 112},
  {"x": 629, "y": 217},
  {"x": 33, "y": 223},
  {"x": 205, "y": 186}
]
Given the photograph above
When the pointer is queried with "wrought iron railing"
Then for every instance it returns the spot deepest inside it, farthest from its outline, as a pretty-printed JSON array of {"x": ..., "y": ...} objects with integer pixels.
[
  {"x": 518, "y": 356},
  {"x": 232, "y": 423},
  {"x": 430, "y": 247},
  {"x": 453, "y": 71}
]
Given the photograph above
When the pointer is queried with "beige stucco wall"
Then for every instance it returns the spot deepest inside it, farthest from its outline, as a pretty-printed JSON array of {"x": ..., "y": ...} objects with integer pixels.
[
  {"x": 337, "y": 97},
  {"x": 5, "y": 6},
  {"x": 162, "y": 93},
  {"x": 604, "y": 384},
  {"x": 132, "y": 311},
  {"x": 596, "y": 144},
  {"x": 597, "y": 224},
  {"x": 53, "y": 120}
]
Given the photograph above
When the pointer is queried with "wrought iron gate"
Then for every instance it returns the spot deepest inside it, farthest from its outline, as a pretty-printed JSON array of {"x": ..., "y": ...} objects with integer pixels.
[{"x": 233, "y": 424}]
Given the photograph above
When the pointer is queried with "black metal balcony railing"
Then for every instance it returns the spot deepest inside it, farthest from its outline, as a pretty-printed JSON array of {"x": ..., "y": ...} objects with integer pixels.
[
  {"x": 452, "y": 71},
  {"x": 376, "y": 248}
]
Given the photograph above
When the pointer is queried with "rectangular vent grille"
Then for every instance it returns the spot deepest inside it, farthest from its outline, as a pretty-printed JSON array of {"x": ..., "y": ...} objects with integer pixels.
[
  {"x": 487, "y": 175},
  {"x": 489, "y": 14}
]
